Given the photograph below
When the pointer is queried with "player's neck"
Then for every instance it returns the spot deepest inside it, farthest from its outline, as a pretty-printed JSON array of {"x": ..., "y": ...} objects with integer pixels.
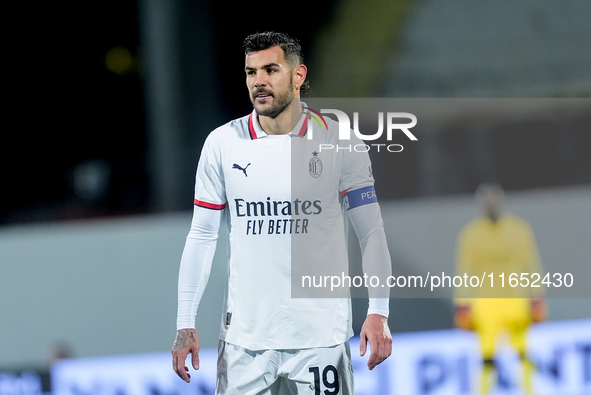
[
  {"x": 284, "y": 122},
  {"x": 494, "y": 216}
]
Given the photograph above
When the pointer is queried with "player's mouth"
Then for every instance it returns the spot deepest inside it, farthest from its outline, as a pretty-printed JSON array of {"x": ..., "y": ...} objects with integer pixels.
[{"x": 262, "y": 97}]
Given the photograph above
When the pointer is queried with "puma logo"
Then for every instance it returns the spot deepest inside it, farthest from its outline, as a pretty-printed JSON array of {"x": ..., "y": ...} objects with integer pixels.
[{"x": 236, "y": 166}]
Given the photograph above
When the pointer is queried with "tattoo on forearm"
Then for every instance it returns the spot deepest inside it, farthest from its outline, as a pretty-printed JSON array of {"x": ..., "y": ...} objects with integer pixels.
[{"x": 183, "y": 338}]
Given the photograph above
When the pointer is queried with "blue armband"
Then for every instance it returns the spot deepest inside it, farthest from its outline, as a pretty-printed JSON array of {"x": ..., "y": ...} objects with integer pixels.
[{"x": 360, "y": 197}]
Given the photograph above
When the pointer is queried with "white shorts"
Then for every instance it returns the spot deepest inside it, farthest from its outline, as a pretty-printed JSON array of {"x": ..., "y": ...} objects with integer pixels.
[{"x": 313, "y": 371}]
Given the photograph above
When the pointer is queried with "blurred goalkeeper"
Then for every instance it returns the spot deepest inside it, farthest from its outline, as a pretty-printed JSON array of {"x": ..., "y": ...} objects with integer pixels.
[{"x": 498, "y": 242}]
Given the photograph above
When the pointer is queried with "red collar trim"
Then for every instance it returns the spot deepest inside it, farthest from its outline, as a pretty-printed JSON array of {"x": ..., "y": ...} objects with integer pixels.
[{"x": 253, "y": 133}]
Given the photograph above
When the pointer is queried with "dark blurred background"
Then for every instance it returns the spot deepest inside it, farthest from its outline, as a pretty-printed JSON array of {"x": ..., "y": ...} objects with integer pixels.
[{"x": 110, "y": 102}]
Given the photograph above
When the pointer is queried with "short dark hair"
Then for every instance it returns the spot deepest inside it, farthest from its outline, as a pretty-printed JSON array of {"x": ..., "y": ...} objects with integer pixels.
[{"x": 292, "y": 51}]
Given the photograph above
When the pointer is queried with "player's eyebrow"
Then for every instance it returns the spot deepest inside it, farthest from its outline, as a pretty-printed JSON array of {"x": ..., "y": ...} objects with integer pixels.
[{"x": 247, "y": 68}]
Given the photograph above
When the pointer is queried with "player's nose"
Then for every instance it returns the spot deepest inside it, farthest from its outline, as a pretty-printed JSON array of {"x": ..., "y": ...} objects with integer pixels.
[
  {"x": 260, "y": 83},
  {"x": 260, "y": 80}
]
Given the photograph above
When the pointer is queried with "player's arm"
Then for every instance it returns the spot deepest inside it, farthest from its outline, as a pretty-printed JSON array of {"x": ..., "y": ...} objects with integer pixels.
[
  {"x": 210, "y": 197},
  {"x": 462, "y": 313},
  {"x": 539, "y": 309},
  {"x": 193, "y": 275},
  {"x": 364, "y": 212}
]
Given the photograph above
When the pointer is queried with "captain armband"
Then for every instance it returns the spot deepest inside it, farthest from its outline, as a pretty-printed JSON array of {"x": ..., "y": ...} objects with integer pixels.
[{"x": 360, "y": 197}]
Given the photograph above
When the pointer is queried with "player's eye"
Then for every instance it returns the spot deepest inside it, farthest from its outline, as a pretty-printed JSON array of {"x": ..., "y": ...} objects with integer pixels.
[{"x": 250, "y": 72}]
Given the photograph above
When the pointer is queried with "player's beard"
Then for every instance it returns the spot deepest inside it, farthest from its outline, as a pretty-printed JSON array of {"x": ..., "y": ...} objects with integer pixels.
[{"x": 280, "y": 102}]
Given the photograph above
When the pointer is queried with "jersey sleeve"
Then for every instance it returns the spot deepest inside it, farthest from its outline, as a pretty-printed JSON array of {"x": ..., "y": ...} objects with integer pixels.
[
  {"x": 356, "y": 170},
  {"x": 369, "y": 227},
  {"x": 210, "y": 191},
  {"x": 462, "y": 265},
  {"x": 196, "y": 263},
  {"x": 356, "y": 185}
]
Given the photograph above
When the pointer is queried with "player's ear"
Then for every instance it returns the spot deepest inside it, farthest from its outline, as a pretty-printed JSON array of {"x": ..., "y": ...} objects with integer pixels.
[{"x": 299, "y": 76}]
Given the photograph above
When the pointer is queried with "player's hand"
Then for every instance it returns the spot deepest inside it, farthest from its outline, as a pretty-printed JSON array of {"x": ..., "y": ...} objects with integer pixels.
[
  {"x": 539, "y": 310},
  {"x": 186, "y": 342},
  {"x": 463, "y": 317},
  {"x": 375, "y": 329}
]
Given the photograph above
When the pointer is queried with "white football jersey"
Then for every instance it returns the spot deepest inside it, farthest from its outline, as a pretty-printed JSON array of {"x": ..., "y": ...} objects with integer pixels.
[{"x": 284, "y": 201}]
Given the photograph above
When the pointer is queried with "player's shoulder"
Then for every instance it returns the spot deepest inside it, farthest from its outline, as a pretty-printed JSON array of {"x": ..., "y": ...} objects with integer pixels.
[
  {"x": 333, "y": 133},
  {"x": 324, "y": 128},
  {"x": 517, "y": 222},
  {"x": 476, "y": 228},
  {"x": 235, "y": 129},
  {"x": 473, "y": 226},
  {"x": 333, "y": 126}
]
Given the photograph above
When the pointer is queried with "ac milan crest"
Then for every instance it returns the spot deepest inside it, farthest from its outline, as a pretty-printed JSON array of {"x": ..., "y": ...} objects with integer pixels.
[{"x": 315, "y": 165}]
